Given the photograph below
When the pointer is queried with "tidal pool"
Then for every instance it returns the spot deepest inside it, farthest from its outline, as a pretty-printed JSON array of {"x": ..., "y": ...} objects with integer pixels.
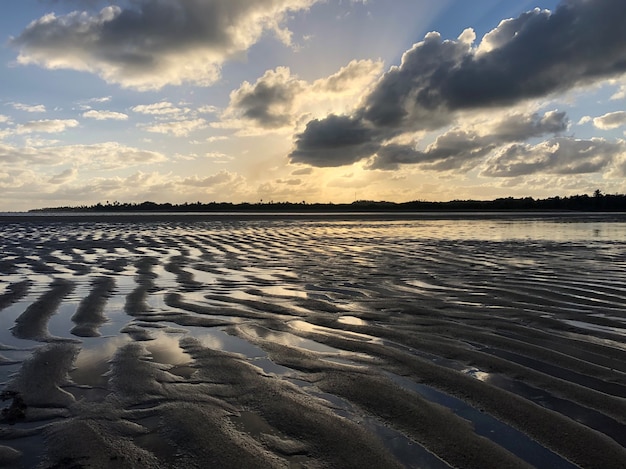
[{"x": 408, "y": 340}]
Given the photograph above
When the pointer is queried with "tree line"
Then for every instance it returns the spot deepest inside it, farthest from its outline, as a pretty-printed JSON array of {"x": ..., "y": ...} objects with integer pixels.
[{"x": 597, "y": 202}]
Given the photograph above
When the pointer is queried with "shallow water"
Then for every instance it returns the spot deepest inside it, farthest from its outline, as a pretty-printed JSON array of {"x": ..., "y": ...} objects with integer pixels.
[{"x": 424, "y": 341}]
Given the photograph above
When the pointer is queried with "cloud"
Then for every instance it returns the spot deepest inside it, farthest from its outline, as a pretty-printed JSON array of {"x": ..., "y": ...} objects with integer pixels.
[
  {"x": 38, "y": 141},
  {"x": 524, "y": 126},
  {"x": 216, "y": 138},
  {"x": 220, "y": 179},
  {"x": 179, "y": 128},
  {"x": 356, "y": 75},
  {"x": 556, "y": 156},
  {"x": 49, "y": 126},
  {"x": 101, "y": 156},
  {"x": 287, "y": 190},
  {"x": 269, "y": 102},
  {"x": 146, "y": 44},
  {"x": 335, "y": 141},
  {"x": 278, "y": 99},
  {"x": 461, "y": 148},
  {"x": 208, "y": 109},
  {"x": 215, "y": 157},
  {"x": 103, "y": 99},
  {"x": 609, "y": 121},
  {"x": 163, "y": 108},
  {"x": 64, "y": 177},
  {"x": 620, "y": 93},
  {"x": 581, "y": 42},
  {"x": 86, "y": 104},
  {"x": 171, "y": 119},
  {"x": 105, "y": 115},
  {"x": 29, "y": 108},
  {"x": 302, "y": 172},
  {"x": 83, "y": 3},
  {"x": 31, "y": 190},
  {"x": 218, "y": 157},
  {"x": 289, "y": 182}
]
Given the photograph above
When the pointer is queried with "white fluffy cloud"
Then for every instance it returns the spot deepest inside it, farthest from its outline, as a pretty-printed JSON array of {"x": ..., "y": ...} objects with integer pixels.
[
  {"x": 178, "y": 128},
  {"x": 48, "y": 126},
  {"x": 65, "y": 189},
  {"x": 105, "y": 115},
  {"x": 146, "y": 45},
  {"x": 611, "y": 120},
  {"x": 29, "y": 107},
  {"x": 222, "y": 179},
  {"x": 170, "y": 119},
  {"x": 162, "y": 108},
  {"x": 101, "y": 156}
]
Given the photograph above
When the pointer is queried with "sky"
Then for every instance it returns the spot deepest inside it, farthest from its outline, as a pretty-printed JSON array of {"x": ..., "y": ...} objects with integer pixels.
[{"x": 310, "y": 100}]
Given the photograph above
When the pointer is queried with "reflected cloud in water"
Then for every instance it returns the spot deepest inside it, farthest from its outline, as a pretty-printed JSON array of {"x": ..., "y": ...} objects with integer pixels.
[{"x": 351, "y": 321}]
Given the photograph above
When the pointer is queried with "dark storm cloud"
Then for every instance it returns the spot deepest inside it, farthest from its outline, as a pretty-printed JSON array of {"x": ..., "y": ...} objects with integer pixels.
[{"x": 534, "y": 55}]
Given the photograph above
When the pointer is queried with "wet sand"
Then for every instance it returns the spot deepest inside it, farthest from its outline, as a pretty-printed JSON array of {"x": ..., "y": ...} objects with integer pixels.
[{"x": 314, "y": 341}]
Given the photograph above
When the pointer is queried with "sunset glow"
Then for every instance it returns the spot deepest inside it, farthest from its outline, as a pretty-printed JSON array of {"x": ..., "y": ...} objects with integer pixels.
[{"x": 309, "y": 100}]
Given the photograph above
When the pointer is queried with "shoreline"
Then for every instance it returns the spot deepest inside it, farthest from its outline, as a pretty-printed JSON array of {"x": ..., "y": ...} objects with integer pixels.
[{"x": 147, "y": 216}]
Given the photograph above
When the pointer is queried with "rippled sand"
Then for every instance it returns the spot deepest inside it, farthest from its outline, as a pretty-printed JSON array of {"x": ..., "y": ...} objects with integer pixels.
[{"x": 313, "y": 342}]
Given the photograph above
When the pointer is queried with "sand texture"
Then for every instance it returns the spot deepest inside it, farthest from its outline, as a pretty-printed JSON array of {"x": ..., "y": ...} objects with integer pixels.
[{"x": 313, "y": 342}]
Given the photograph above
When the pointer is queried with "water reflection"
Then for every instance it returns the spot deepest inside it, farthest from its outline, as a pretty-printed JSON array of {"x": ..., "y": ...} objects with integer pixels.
[
  {"x": 596, "y": 327},
  {"x": 285, "y": 338},
  {"x": 218, "y": 339},
  {"x": 510, "y": 438},
  {"x": 427, "y": 292},
  {"x": 92, "y": 362},
  {"x": 351, "y": 321},
  {"x": 308, "y": 327},
  {"x": 478, "y": 374}
]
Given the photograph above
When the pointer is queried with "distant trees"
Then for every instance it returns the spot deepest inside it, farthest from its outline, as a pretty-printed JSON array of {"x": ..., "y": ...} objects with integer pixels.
[{"x": 597, "y": 202}]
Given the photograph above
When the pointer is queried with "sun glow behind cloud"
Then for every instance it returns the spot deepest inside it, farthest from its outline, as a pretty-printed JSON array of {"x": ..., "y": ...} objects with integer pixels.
[{"x": 311, "y": 100}]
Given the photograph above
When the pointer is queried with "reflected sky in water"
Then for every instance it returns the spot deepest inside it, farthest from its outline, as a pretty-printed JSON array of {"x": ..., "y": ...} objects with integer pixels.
[{"x": 335, "y": 291}]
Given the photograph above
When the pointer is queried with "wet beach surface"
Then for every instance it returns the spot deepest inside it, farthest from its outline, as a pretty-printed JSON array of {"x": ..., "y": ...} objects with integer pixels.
[{"x": 313, "y": 341}]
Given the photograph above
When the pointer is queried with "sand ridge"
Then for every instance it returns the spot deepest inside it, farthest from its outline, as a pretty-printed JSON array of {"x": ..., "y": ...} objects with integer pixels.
[{"x": 317, "y": 342}]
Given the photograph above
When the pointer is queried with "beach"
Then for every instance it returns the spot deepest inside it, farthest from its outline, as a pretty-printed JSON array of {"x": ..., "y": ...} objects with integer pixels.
[{"x": 313, "y": 341}]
